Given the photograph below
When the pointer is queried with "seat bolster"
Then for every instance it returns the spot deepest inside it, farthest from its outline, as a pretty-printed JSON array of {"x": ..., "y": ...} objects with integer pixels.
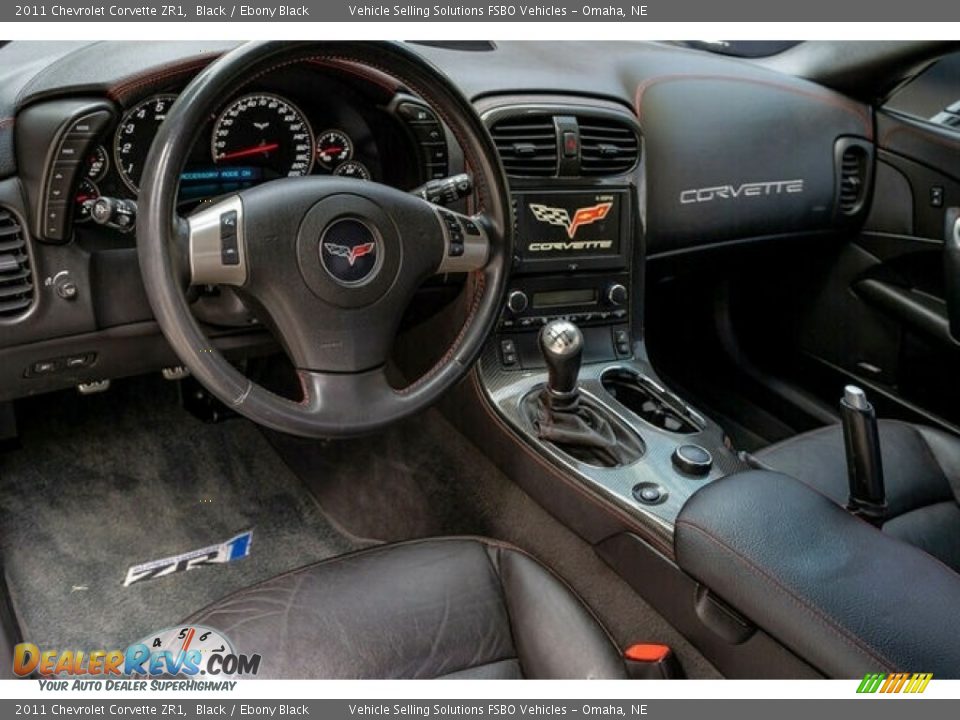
[
  {"x": 444, "y": 607},
  {"x": 916, "y": 461},
  {"x": 556, "y": 635},
  {"x": 421, "y": 609},
  {"x": 945, "y": 448}
]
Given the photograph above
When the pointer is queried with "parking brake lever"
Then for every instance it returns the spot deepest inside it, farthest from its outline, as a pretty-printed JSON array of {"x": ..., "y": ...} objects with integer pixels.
[
  {"x": 861, "y": 440},
  {"x": 951, "y": 268}
]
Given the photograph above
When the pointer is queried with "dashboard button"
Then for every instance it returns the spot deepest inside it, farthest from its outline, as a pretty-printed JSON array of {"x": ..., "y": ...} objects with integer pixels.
[
  {"x": 71, "y": 151},
  {"x": 60, "y": 181},
  {"x": 54, "y": 219},
  {"x": 90, "y": 125},
  {"x": 649, "y": 493},
  {"x": 44, "y": 367}
]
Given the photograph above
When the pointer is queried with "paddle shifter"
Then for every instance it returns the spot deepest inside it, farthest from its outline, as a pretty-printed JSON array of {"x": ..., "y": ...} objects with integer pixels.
[
  {"x": 580, "y": 427},
  {"x": 861, "y": 440}
]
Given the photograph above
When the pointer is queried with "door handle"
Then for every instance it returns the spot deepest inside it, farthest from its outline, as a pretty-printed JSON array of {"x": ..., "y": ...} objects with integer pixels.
[{"x": 951, "y": 268}]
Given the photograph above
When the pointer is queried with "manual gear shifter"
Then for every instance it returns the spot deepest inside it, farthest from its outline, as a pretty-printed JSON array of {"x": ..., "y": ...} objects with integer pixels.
[
  {"x": 582, "y": 428},
  {"x": 561, "y": 343}
]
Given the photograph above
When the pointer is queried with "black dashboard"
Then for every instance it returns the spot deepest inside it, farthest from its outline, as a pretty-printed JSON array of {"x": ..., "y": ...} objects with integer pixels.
[{"x": 654, "y": 125}]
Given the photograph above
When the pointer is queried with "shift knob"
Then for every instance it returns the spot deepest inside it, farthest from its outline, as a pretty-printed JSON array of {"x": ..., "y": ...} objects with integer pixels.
[{"x": 561, "y": 343}]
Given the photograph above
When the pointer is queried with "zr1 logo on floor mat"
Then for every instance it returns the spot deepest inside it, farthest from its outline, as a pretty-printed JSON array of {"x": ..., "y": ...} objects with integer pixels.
[{"x": 233, "y": 549}]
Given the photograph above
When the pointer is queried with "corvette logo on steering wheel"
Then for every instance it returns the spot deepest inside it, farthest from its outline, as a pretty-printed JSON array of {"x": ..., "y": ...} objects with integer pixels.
[
  {"x": 352, "y": 254},
  {"x": 350, "y": 251}
]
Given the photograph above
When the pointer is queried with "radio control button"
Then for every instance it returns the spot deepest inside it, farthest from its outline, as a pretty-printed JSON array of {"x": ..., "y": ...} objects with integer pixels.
[
  {"x": 616, "y": 294},
  {"x": 517, "y": 301}
]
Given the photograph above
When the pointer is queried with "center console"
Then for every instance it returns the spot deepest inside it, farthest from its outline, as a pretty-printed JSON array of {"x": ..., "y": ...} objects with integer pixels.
[{"x": 577, "y": 184}]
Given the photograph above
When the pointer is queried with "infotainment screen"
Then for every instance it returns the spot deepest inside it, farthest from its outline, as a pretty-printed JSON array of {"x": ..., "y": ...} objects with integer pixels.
[{"x": 572, "y": 227}]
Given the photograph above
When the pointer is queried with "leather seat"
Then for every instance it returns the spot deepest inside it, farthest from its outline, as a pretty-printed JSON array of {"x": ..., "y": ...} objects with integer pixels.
[
  {"x": 440, "y": 608},
  {"x": 921, "y": 468}
]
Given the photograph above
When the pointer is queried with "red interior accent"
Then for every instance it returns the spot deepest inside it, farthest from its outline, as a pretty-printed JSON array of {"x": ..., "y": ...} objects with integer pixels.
[{"x": 646, "y": 652}]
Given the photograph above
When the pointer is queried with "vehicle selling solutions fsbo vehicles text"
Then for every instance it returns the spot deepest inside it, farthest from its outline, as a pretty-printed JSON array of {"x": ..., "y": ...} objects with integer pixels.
[{"x": 495, "y": 11}]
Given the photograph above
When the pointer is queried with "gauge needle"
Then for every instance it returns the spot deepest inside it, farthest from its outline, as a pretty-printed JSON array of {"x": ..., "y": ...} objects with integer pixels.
[{"x": 256, "y": 150}]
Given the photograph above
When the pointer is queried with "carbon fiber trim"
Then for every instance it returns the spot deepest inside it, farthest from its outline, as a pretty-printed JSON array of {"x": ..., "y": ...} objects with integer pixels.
[{"x": 505, "y": 390}]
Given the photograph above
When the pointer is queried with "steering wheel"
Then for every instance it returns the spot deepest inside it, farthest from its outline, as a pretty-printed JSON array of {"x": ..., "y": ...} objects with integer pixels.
[{"x": 332, "y": 262}]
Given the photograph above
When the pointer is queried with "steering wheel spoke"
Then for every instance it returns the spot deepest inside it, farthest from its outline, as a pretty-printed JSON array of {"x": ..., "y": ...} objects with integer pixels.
[
  {"x": 217, "y": 244},
  {"x": 466, "y": 243}
]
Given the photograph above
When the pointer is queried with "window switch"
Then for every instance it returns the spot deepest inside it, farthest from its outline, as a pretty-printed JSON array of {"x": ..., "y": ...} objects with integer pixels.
[{"x": 936, "y": 196}]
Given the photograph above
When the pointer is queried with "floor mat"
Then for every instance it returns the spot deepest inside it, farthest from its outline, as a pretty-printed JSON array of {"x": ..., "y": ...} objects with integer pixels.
[{"x": 106, "y": 482}]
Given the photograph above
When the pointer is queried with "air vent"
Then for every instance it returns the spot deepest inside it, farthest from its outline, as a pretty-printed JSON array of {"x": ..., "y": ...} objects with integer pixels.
[
  {"x": 853, "y": 179},
  {"x": 527, "y": 145},
  {"x": 607, "y": 146},
  {"x": 16, "y": 279}
]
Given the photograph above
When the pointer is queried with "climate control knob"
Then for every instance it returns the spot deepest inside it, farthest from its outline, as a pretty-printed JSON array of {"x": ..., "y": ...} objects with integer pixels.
[
  {"x": 517, "y": 301},
  {"x": 616, "y": 294}
]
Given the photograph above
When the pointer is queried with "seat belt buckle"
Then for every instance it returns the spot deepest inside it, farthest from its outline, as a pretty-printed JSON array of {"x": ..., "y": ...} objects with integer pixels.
[{"x": 651, "y": 661}]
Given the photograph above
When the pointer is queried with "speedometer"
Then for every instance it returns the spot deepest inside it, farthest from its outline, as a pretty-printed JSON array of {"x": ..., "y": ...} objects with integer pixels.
[
  {"x": 264, "y": 131},
  {"x": 135, "y": 135}
]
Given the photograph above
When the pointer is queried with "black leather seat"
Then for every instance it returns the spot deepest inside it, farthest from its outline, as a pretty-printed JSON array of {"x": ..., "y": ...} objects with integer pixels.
[
  {"x": 921, "y": 472},
  {"x": 441, "y": 608}
]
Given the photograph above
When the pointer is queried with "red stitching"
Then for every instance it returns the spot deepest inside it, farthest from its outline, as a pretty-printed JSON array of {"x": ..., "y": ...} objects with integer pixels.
[
  {"x": 827, "y": 621},
  {"x": 127, "y": 86},
  {"x": 836, "y": 101},
  {"x": 7, "y": 122}
]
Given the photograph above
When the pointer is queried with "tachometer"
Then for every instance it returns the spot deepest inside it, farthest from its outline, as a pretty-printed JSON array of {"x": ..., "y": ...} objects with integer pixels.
[
  {"x": 265, "y": 131},
  {"x": 135, "y": 135},
  {"x": 333, "y": 148}
]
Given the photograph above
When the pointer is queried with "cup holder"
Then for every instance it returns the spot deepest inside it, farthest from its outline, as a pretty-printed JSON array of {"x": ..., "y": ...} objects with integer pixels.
[{"x": 644, "y": 398}]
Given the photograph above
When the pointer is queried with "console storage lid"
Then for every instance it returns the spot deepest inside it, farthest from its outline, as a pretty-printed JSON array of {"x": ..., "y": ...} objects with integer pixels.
[{"x": 836, "y": 591}]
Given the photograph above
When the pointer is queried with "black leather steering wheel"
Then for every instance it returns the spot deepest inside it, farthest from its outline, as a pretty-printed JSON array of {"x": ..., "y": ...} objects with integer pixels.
[{"x": 332, "y": 262}]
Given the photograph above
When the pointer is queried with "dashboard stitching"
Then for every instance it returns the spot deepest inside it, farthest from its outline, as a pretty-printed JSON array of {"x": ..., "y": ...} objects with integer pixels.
[
  {"x": 121, "y": 90},
  {"x": 836, "y": 102}
]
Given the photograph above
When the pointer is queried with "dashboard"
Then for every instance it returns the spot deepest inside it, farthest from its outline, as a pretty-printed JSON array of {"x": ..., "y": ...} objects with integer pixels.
[{"x": 648, "y": 123}]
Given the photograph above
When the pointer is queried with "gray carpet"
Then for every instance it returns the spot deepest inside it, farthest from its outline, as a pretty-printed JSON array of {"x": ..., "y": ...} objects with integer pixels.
[
  {"x": 109, "y": 481},
  {"x": 422, "y": 477}
]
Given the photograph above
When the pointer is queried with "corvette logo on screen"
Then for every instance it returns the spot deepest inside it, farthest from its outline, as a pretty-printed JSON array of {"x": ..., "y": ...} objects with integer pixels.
[{"x": 560, "y": 216}]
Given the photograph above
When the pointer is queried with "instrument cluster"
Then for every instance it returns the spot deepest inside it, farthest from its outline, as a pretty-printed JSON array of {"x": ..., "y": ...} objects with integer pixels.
[{"x": 289, "y": 126}]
